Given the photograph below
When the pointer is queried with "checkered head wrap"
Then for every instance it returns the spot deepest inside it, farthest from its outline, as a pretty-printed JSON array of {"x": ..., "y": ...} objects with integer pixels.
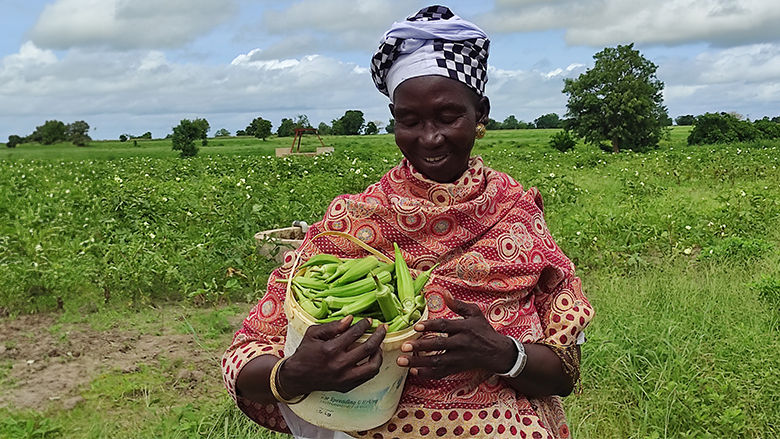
[{"x": 434, "y": 41}]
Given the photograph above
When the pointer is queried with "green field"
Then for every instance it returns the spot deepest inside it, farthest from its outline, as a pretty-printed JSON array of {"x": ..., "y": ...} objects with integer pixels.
[{"x": 133, "y": 247}]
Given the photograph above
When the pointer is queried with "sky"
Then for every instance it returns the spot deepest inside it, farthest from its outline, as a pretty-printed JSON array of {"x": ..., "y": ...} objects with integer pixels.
[{"x": 131, "y": 66}]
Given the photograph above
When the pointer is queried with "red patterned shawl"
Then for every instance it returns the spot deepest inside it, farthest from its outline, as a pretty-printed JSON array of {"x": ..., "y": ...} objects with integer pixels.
[{"x": 495, "y": 250}]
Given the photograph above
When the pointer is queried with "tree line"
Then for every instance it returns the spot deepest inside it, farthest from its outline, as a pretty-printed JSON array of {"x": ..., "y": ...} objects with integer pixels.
[
  {"x": 54, "y": 131},
  {"x": 616, "y": 105}
]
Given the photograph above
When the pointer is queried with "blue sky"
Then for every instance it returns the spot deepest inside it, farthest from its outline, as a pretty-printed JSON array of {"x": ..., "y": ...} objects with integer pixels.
[{"x": 130, "y": 66}]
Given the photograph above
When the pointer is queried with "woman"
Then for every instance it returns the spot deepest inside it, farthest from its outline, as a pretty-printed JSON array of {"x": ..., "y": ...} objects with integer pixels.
[{"x": 504, "y": 294}]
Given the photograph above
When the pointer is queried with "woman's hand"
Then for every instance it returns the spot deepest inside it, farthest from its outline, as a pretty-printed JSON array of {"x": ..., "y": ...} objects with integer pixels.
[
  {"x": 327, "y": 360},
  {"x": 466, "y": 344}
]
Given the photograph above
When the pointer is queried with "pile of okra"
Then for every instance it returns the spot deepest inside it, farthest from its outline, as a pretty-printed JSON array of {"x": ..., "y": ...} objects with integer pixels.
[{"x": 331, "y": 288}]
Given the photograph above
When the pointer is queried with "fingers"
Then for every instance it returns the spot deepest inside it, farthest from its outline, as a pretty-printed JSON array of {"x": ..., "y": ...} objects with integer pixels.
[
  {"x": 461, "y": 308},
  {"x": 437, "y": 325},
  {"x": 346, "y": 338},
  {"x": 329, "y": 330},
  {"x": 367, "y": 370},
  {"x": 369, "y": 347}
]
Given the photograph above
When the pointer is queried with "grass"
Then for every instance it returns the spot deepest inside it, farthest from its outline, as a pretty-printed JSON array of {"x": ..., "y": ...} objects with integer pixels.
[{"x": 677, "y": 248}]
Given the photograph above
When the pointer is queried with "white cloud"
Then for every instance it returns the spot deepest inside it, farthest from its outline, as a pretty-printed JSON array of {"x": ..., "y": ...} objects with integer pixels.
[
  {"x": 316, "y": 26},
  {"x": 528, "y": 93},
  {"x": 607, "y": 22},
  {"x": 127, "y": 24},
  {"x": 745, "y": 79},
  {"x": 120, "y": 89}
]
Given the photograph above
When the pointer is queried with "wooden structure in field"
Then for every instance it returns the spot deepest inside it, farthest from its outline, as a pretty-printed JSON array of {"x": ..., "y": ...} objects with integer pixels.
[{"x": 299, "y": 132}]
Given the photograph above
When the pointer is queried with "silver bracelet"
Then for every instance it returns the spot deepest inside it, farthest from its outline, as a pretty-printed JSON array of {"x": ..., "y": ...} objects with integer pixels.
[{"x": 519, "y": 365}]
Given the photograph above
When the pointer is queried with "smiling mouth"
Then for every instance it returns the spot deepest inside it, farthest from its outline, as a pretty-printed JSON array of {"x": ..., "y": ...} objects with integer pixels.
[{"x": 435, "y": 159}]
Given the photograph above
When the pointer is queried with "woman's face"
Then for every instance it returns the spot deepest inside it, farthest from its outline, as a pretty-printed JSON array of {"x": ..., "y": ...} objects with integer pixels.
[{"x": 435, "y": 125}]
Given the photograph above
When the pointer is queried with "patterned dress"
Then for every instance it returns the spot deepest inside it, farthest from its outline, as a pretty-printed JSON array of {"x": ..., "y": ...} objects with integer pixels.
[{"x": 494, "y": 249}]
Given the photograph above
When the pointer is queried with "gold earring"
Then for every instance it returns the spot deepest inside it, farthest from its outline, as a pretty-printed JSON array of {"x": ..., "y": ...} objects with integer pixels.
[{"x": 481, "y": 130}]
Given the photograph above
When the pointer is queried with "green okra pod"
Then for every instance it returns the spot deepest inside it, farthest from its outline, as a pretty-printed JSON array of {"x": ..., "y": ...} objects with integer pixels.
[
  {"x": 419, "y": 302},
  {"x": 355, "y": 288},
  {"x": 357, "y": 306},
  {"x": 321, "y": 259},
  {"x": 397, "y": 324},
  {"x": 384, "y": 297},
  {"x": 422, "y": 279},
  {"x": 403, "y": 279},
  {"x": 313, "y": 310},
  {"x": 335, "y": 302},
  {"x": 312, "y": 284},
  {"x": 341, "y": 269},
  {"x": 357, "y": 271},
  {"x": 384, "y": 266}
]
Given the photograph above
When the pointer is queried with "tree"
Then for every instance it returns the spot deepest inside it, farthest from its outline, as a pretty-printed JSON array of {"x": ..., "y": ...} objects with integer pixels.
[
  {"x": 14, "y": 140},
  {"x": 203, "y": 126},
  {"x": 776, "y": 119},
  {"x": 351, "y": 123},
  {"x": 721, "y": 128},
  {"x": 123, "y": 137},
  {"x": 549, "y": 120},
  {"x": 390, "y": 128},
  {"x": 286, "y": 128},
  {"x": 241, "y": 133},
  {"x": 259, "y": 128},
  {"x": 222, "y": 132},
  {"x": 510, "y": 123},
  {"x": 687, "y": 119},
  {"x": 619, "y": 100},
  {"x": 302, "y": 121},
  {"x": 185, "y": 135},
  {"x": 371, "y": 128},
  {"x": 493, "y": 124},
  {"x": 52, "y": 131},
  {"x": 78, "y": 133},
  {"x": 148, "y": 135},
  {"x": 324, "y": 129}
]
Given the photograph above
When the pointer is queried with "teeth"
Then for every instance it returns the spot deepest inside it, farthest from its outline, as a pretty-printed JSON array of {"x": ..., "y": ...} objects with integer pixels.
[{"x": 434, "y": 159}]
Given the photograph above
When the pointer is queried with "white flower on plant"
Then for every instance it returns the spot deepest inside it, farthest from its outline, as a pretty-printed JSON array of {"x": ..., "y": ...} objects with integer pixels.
[
  {"x": 552, "y": 175},
  {"x": 687, "y": 227},
  {"x": 687, "y": 251},
  {"x": 152, "y": 235}
]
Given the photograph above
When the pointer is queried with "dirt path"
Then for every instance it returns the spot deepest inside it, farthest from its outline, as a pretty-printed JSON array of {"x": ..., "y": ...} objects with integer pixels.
[{"x": 48, "y": 368}]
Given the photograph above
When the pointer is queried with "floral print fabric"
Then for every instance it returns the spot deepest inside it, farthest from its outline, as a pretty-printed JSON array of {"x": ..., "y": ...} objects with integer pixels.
[{"x": 494, "y": 249}]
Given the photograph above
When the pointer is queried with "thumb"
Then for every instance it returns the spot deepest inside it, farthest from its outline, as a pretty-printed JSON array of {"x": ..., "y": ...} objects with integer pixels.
[{"x": 462, "y": 308}]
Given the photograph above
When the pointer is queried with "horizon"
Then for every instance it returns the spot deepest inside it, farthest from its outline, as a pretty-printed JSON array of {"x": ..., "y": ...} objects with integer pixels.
[{"x": 129, "y": 68}]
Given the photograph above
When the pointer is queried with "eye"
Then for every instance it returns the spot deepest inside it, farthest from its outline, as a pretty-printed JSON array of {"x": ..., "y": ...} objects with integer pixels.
[
  {"x": 449, "y": 117},
  {"x": 408, "y": 121}
]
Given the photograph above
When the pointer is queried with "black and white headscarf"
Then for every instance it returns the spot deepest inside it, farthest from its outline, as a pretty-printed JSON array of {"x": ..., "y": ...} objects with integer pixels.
[{"x": 432, "y": 42}]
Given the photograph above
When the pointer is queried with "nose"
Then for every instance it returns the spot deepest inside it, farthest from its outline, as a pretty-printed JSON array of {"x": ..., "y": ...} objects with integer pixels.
[{"x": 431, "y": 137}]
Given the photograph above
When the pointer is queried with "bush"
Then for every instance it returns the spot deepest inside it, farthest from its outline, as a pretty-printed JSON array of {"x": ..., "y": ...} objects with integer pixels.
[
  {"x": 184, "y": 136},
  {"x": 767, "y": 128},
  {"x": 13, "y": 140},
  {"x": 721, "y": 128},
  {"x": 562, "y": 141}
]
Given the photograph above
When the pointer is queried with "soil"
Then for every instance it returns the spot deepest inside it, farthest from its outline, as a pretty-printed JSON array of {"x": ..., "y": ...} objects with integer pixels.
[{"x": 49, "y": 369}]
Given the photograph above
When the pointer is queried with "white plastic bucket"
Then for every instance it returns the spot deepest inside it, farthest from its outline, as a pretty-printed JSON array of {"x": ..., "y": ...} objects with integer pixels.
[{"x": 368, "y": 405}]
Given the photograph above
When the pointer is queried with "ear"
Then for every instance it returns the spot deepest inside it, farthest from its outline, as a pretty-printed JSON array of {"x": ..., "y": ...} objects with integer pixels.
[
  {"x": 483, "y": 110},
  {"x": 392, "y": 109}
]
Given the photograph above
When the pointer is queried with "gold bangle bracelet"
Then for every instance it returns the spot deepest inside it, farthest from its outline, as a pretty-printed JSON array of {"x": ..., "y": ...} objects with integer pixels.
[{"x": 275, "y": 388}]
